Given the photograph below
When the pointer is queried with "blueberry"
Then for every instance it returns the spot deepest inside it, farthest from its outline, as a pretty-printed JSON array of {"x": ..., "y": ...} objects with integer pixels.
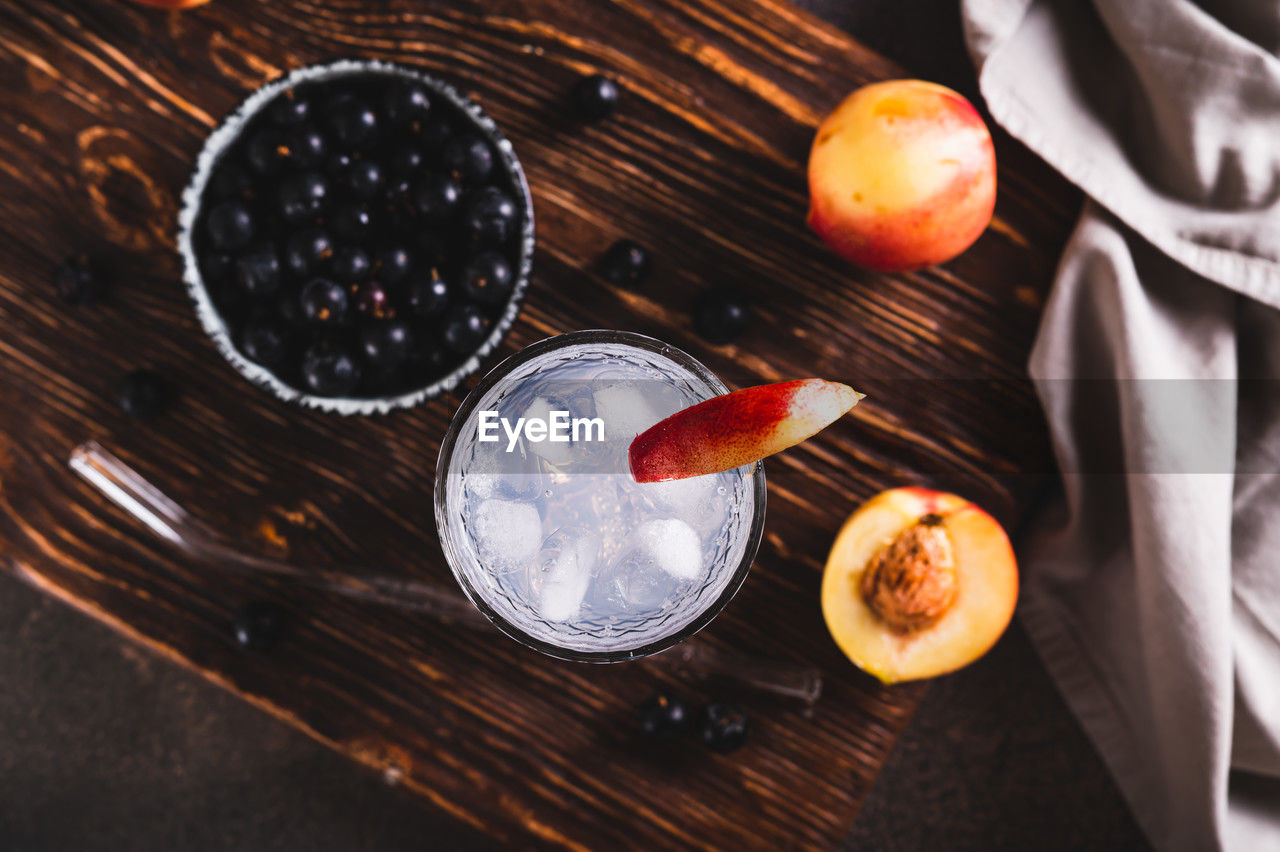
[
  {"x": 288, "y": 109},
  {"x": 337, "y": 99},
  {"x": 372, "y": 300},
  {"x": 399, "y": 193},
  {"x": 722, "y": 727},
  {"x": 329, "y": 370},
  {"x": 363, "y": 179},
  {"x": 407, "y": 161},
  {"x": 229, "y": 181},
  {"x": 595, "y": 97},
  {"x": 386, "y": 344},
  {"x": 302, "y": 196},
  {"x": 258, "y": 270},
  {"x": 287, "y": 309},
  {"x": 229, "y": 225},
  {"x": 266, "y": 151},
  {"x": 217, "y": 267},
  {"x": 434, "y": 135},
  {"x": 431, "y": 247},
  {"x": 465, "y": 328},
  {"x": 394, "y": 263},
  {"x": 436, "y": 197},
  {"x": 351, "y": 264},
  {"x": 428, "y": 295},
  {"x": 721, "y": 316},
  {"x": 407, "y": 104},
  {"x": 76, "y": 281},
  {"x": 490, "y": 217},
  {"x": 353, "y": 124},
  {"x": 663, "y": 717},
  {"x": 307, "y": 148},
  {"x": 323, "y": 301},
  {"x": 427, "y": 360},
  {"x": 468, "y": 157},
  {"x": 353, "y": 224},
  {"x": 259, "y": 625},
  {"x": 399, "y": 218},
  {"x": 307, "y": 251},
  {"x": 336, "y": 166},
  {"x": 263, "y": 341},
  {"x": 625, "y": 264},
  {"x": 142, "y": 394},
  {"x": 488, "y": 278}
]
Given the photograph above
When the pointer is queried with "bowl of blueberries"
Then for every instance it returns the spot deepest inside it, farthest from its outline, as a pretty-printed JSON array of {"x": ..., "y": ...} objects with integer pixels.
[{"x": 357, "y": 236}]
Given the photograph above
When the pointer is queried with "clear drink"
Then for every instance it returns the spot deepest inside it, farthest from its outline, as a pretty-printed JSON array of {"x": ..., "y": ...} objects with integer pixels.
[{"x": 553, "y": 539}]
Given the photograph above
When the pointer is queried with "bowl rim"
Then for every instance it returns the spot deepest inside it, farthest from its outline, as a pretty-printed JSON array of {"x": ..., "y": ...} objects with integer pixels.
[
  {"x": 444, "y": 531},
  {"x": 229, "y": 130}
]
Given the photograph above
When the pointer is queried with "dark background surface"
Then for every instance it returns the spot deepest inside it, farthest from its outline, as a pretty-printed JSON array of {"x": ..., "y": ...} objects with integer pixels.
[{"x": 106, "y": 746}]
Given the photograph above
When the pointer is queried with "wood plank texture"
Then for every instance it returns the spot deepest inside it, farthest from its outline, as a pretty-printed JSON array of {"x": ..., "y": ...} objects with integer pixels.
[{"x": 102, "y": 109}]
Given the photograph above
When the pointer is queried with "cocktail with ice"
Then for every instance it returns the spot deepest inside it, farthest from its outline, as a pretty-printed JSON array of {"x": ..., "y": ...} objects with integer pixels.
[{"x": 543, "y": 524}]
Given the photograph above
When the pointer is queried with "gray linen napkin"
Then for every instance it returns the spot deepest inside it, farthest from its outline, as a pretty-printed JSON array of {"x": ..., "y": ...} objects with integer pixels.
[{"x": 1152, "y": 591}]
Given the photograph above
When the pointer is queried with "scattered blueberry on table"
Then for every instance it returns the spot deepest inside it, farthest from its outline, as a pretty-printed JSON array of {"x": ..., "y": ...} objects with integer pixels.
[
  {"x": 663, "y": 717},
  {"x": 359, "y": 238},
  {"x": 77, "y": 281},
  {"x": 258, "y": 625},
  {"x": 625, "y": 264},
  {"x": 595, "y": 97},
  {"x": 721, "y": 316},
  {"x": 143, "y": 393},
  {"x": 722, "y": 727}
]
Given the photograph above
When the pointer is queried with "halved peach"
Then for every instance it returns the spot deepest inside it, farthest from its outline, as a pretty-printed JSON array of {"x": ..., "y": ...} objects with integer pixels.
[
  {"x": 738, "y": 428},
  {"x": 918, "y": 583}
]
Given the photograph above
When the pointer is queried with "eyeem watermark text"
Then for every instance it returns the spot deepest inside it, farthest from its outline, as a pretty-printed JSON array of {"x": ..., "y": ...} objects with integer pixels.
[{"x": 558, "y": 427}]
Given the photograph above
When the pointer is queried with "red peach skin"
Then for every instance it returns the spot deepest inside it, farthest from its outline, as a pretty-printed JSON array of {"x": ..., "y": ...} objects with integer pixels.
[{"x": 738, "y": 428}]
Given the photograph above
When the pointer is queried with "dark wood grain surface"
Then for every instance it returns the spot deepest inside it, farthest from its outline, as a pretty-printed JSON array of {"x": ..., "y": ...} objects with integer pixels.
[{"x": 104, "y": 106}]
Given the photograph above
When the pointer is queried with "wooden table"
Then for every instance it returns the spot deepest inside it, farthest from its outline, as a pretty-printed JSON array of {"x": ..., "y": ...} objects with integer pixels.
[{"x": 104, "y": 106}]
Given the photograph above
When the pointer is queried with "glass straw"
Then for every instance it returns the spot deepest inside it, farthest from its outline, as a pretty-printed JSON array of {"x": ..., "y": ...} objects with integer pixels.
[{"x": 125, "y": 487}]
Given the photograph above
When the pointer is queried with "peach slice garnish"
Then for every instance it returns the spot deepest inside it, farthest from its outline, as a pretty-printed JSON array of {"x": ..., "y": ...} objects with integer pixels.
[
  {"x": 738, "y": 428},
  {"x": 918, "y": 583}
]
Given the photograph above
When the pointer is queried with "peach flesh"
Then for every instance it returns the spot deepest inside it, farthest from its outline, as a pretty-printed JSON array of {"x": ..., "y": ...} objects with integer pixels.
[
  {"x": 737, "y": 428},
  {"x": 918, "y": 583},
  {"x": 902, "y": 174}
]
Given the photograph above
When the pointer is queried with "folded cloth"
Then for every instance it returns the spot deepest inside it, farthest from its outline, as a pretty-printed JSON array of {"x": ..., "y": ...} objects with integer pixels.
[{"x": 1152, "y": 589}]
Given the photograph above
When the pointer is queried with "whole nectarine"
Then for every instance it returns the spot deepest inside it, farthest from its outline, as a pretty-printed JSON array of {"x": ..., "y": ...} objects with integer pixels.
[
  {"x": 918, "y": 583},
  {"x": 902, "y": 174}
]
